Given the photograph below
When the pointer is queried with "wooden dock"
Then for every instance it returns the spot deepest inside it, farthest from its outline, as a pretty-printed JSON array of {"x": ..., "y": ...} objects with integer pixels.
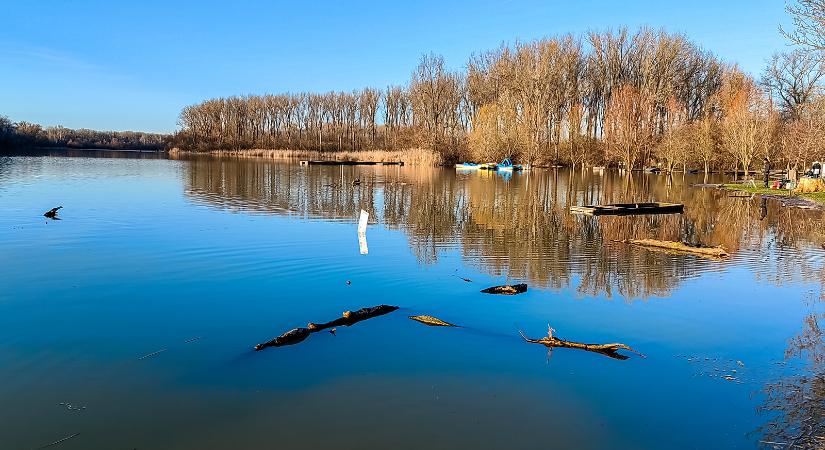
[
  {"x": 626, "y": 209},
  {"x": 350, "y": 163}
]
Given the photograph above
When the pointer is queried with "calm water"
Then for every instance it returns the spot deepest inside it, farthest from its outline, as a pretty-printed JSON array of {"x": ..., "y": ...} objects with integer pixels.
[{"x": 192, "y": 262}]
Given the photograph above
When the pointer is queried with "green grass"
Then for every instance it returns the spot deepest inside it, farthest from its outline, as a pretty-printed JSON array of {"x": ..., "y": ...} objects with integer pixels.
[{"x": 818, "y": 197}]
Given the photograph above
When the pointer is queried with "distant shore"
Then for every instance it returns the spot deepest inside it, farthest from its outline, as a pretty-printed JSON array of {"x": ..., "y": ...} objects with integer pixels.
[{"x": 414, "y": 157}]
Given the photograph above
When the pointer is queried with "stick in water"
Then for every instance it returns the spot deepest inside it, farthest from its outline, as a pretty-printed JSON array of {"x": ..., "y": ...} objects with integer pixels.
[
  {"x": 152, "y": 354},
  {"x": 59, "y": 441}
]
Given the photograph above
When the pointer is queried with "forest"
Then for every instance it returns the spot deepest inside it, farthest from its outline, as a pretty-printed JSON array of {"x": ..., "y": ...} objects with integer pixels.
[
  {"x": 620, "y": 98},
  {"x": 25, "y": 135}
]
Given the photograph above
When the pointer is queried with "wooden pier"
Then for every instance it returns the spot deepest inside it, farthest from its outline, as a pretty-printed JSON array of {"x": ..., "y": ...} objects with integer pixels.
[{"x": 350, "y": 163}]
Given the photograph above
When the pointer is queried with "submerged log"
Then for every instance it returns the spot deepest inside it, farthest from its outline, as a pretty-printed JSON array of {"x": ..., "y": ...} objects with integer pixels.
[
  {"x": 353, "y": 317},
  {"x": 716, "y": 252},
  {"x": 297, "y": 335},
  {"x": 432, "y": 321},
  {"x": 52, "y": 213},
  {"x": 291, "y": 337},
  {"x": 609, "y": 350},
  {"x": 506, "y": 289}
]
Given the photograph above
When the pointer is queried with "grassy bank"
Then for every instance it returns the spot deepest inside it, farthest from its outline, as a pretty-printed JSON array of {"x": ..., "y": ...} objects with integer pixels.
[
  {"x": 414, "y": 156},
  {"x": 815, "y": 197}
]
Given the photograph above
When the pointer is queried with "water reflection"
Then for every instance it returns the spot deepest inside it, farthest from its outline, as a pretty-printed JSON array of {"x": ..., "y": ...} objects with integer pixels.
[
  {"x": 795, "y": 403},
  {"x": 519, "y": 227}
]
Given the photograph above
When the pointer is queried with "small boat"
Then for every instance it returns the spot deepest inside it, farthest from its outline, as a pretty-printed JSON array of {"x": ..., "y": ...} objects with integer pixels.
[
  {"x": 467, "y": 166},
  {"x": 488, "y": 166},
  {"x": 508, "y": 166},
  {"x": 624, "y": 209}
]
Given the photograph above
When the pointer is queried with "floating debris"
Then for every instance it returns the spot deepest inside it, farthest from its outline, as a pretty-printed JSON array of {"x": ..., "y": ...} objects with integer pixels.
[
  {"x": 349, "y": 282},
  {"x": 59, "y": 441},
  {"x": 349, "y": 318},
  {"x": 197, "y": 338},
  {"x": 71, "y": 407},
  {"x": 332, "y": 331},
  {"x": 506, "y": 289},
  {"x": 466, "y": 280},
  {"x": 609, "y": 350},
  {"x": 152, "y": 354},
  {"x": 432, "y": 321},
  {"x": 681, "y": 247},
  {"x": 52, "y": 213}
]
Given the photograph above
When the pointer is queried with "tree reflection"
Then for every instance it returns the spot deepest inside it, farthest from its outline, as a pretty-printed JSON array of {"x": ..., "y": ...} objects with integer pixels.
[
  {"x": 796, "y": 403},
  {"x": 520, "y": 227}
]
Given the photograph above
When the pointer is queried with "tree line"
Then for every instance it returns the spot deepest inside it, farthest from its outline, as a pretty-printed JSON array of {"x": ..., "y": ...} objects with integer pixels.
[
  {"x": 616, "y": 97},
  {"x": 22, "y": 135}
]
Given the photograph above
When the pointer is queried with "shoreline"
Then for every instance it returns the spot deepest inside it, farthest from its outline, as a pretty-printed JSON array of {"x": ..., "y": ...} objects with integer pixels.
[
  {"x": 412, "y": 157},
  {"x": 815, "y": 200}
]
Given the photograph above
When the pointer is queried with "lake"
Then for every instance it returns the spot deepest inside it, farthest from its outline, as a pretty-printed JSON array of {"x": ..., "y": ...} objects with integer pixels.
[{"x": 130, "y": 323}]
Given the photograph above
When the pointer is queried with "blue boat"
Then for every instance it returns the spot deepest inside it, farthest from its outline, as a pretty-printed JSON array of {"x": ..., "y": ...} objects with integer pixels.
[{"x": 507, "y": 165}]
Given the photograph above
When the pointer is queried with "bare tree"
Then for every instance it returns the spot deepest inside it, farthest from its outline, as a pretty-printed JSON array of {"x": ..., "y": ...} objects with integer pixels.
[{"x": 809, "y": 24}]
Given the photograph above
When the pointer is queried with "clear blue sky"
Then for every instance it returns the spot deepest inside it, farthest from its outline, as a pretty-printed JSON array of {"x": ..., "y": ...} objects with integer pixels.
[{"x": 133, "y": 65}]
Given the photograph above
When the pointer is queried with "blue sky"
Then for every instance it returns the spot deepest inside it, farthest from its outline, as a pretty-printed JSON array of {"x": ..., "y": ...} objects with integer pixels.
[{"x": 134, "y": 65}]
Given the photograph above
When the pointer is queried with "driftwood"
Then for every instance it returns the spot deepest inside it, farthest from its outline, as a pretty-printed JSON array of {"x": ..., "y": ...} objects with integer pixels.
[
  {"x": 609, "y": 350},
  {"x": 297, "y": 335},
  {"x": 432, "y": 321},
  {"x": 506, "y": 289},
  {"x": 715, "y": 252},
  {"x": 52, "y": 213}
]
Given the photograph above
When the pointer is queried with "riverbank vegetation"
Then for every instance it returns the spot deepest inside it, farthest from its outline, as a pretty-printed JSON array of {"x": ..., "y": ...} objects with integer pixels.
[
  {"x": 816, "y": 197},
  {"x": 25, "y": 135},
  {"x": 620, "y": 98}
]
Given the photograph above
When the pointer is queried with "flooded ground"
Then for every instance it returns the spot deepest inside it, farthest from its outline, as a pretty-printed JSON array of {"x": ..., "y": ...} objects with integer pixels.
[{"x": 130, "y": 322}]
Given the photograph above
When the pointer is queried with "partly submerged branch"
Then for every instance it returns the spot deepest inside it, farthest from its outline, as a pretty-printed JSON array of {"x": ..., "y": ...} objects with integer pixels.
[
  {"x": 432, "y": 321},
  {"x": 610, "y": 350},
  {"x": 506, "y": 289},
  {"x": 714, "y": 252},
  {"x": 297, "y": 335}
]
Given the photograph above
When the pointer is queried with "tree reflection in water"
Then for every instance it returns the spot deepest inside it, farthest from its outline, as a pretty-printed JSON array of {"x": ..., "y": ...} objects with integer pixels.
[
  {"x": 795, "y": 404},
  {"x": 520, "y": 227}
]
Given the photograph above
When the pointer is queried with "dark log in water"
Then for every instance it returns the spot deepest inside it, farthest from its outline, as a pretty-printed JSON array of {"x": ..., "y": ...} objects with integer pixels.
[
  {"x": 432, "y": 321},
  {"x": 506, "y": 289},
  {"x": 349, "y": 318},
  {"x": 52, "y": 213},
  {"x": 291, "y": 337},
  {"x": 609, "y": 350}
]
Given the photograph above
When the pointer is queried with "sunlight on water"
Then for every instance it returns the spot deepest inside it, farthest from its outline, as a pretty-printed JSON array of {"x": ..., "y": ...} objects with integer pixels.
[{"x": 131, "y": 321}]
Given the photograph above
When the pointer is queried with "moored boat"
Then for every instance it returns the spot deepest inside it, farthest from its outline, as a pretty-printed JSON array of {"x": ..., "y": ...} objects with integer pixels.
[
  {"x": 467, "y": 166},
  {"x": 507, "y": 165},
  {"x": 623, "y": 209}
]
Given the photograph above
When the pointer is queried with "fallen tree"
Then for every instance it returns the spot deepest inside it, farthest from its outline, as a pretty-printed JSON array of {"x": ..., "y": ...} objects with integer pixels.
[
  {"x": 432, "y": 321},
  {"x": 507, "y": 289},
  {"x": 715, "y": 252},
  {"x": 609, "y": 350},
  {"x": 349, "y": 318}
]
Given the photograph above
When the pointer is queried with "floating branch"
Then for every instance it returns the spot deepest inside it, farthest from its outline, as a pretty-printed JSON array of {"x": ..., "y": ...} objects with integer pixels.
[
  {"x": 349, "y": 318},
  {"x": 506, "y": 289},
  {"x": 52, "y": 213},
  {"x": 610, "y": 350},
  {"x": 715, "y": 252},
  {"x": 432, "y": 321},
  {"x": 59, "y": 441}
]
